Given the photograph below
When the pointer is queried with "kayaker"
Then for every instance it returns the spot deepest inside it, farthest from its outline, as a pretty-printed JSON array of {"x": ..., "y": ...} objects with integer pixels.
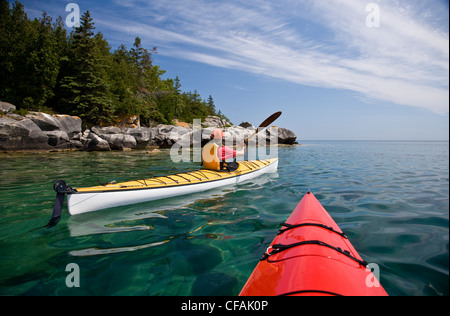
[{"x": 215, "y": 154}]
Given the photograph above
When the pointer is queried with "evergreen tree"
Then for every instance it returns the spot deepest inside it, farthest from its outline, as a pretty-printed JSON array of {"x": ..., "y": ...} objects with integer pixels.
[
  {"x": 211, "y": 106},
  {"x": 41, "y": 64},
  {"x": 179, "y": 105},
  {"x": 123, "y": 85},
  {"x": 86, "y": 87},
  {"x": 6, "y": 62},
  {"x": 63, "y": 50},
  {"x": 44, "y": 68},
  {"x": 14, "y": 44}
]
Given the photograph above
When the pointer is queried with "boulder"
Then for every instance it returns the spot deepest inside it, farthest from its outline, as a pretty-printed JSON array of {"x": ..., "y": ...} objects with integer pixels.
[
  {"x": 285, "y": 136},
  {"x": 44, "y": 131},
  {"x": 247, "y": 125},
  {"x": 58, "y": 139},
  {"x": 119, "y": 141},
  {"x": 69, "y": 124},
  {"x": 6, "y": 107},
  {"x": 76, "y": 144},
  {"x": 215, "y": 121},
  {"x": 65, "y": 123},
  {"x": 99, "y": 130},
  {"x": 44, "y": 121},
  {"x": 167, "y": 135},
  {"x": 19, "y": 133},
  {"x": 142, "y": 135},
  {"x": 236, "y": 134},
  {"x": 93, "y": 142}
]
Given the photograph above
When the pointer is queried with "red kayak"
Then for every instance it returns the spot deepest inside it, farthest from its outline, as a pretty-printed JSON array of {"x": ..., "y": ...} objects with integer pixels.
[{"x": 312, "y": 256}]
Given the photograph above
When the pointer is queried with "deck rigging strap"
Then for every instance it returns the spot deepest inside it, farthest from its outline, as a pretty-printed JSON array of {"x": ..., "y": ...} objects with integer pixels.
[
  {"x": 309, "y": 292},
  {"x": 277, "y": 248},
  {"x": 291, "y": 226}
]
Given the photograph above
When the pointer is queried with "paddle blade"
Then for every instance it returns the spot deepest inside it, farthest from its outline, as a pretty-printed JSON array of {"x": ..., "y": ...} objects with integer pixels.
[
  {"x": 263, "y": 125},
  {"x": 269, "y": 120}
]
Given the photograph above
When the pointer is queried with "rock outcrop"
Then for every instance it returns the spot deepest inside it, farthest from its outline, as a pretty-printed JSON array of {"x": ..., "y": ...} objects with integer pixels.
[
  {"x": 41, "y": 131},
  {"x": 6, "y": 107},
  {"x": 19, "y": 133},
  {"x": 285, "y": 136}
]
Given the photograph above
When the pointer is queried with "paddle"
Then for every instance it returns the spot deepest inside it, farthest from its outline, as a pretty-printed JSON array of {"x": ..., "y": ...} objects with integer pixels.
[{"x": 262, "y": 126}]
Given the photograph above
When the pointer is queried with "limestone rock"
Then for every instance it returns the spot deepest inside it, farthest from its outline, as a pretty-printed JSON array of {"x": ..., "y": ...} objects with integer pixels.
[{"x": 21, "y": 134}]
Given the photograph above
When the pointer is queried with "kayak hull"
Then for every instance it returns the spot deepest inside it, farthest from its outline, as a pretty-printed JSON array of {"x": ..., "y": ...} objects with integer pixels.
[
  {"x": 83, "y": 200},
  {"x": 321, "y": 261}
]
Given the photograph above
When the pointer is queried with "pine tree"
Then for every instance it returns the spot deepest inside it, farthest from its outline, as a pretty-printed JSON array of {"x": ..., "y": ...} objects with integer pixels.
[
  {"x": 211, "y": 106},
  {"x": 42, "y": 63},
  {"x": 59, "y": 34},
  {"x": 14, "y": 45},
  {"x": 42, "y": 68},
  {"x": 86, "y": 87},
  {"x": 6, "y": 63},
  {"x": 123, "y": 84}
]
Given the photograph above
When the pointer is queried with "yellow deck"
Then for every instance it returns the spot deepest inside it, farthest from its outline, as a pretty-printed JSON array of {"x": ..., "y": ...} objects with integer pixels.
[{"x": 199, "y": 176}]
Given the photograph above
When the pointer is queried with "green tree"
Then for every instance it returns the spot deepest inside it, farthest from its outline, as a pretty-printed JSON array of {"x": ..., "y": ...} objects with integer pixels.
[
  {"x": 6, "y": 58},
  {"x": 64, "y": 51},
  {"x": 86, "y": 88},
  {"x": 179, "y": 104},
  {"x": 211, "y": 106},
  {"x": 43, "y": 67},
  {"x": 14, "y": 45},
  {"x": 41, "y": 64},
  {"x": 123, "y": 86}
]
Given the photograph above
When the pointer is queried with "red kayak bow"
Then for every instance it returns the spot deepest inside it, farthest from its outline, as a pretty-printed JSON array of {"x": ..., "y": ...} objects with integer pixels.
[{"x": 312, "y": 256}]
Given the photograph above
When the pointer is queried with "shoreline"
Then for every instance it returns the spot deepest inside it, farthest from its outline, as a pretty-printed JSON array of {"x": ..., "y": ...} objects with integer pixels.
[
  {"x": 41, "y": 132},
  {"x": 148, "y": 150}
]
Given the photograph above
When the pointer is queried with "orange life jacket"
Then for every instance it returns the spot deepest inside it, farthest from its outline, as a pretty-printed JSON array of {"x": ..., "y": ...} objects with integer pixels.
[
  {"x": 211, "y": 161},
  {"x": 210, "y": 156}
]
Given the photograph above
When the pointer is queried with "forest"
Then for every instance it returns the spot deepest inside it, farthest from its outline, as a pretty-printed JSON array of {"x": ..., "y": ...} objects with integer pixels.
[{"x": 45, "y": 68}]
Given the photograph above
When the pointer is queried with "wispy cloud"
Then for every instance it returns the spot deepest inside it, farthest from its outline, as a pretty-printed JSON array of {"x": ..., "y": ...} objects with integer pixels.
[{"x": 315, "y": 43}]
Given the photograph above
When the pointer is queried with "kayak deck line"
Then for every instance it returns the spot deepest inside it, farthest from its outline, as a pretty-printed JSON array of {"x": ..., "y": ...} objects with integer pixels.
[
  {"x": 277, "y": 248},
  {"x": 312, "y": 256},
  {"x": 290, "y": 226},
  {"x": 179, "y": 179},
  {"x": 88, "y": 199}
]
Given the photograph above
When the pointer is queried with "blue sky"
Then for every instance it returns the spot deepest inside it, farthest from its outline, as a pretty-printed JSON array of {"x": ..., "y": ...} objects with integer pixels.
[{"x": 319, "y": 62}]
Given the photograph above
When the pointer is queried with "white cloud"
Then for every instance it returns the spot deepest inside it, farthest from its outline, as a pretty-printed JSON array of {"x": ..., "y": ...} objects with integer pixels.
[{"x": 316, "y": 43}]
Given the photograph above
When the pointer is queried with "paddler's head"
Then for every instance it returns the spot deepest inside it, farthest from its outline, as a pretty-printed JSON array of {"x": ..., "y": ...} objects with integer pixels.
[{"x": 217, "y": 135}]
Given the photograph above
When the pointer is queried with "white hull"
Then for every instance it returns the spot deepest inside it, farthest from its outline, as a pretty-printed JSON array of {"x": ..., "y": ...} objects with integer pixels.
[{"x": 79, "y": 203}]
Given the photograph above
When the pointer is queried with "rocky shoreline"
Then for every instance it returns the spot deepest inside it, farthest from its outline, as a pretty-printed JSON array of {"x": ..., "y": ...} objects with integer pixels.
[{"x": 41, "y": 131}]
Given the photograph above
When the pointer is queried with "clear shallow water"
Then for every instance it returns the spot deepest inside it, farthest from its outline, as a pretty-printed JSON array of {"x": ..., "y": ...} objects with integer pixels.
[{"x": 391, "y": 198}]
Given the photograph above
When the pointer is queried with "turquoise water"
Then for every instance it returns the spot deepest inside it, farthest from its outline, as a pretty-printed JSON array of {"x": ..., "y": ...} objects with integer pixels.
[{"x": 391, "y": 198}]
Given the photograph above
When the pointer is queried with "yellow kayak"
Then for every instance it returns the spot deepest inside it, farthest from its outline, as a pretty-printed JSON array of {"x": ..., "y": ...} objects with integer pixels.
[{"x": 88, "y": 199}]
